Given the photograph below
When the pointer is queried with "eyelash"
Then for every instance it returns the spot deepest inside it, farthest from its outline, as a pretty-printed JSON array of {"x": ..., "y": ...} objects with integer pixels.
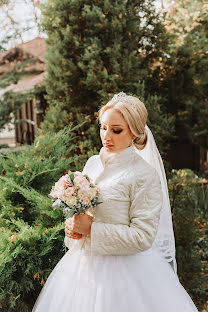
[
  {"x": 114, "y": 131},
  {"x": 117, "y": 131}
]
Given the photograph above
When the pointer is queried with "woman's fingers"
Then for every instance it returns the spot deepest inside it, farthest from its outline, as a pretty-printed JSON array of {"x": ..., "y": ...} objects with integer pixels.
[
  {"x": 72, "y": 234},
  {"x": 69, "y": 229},
  {"x": 69, "y": 221},
  {"x": 79, "y": 224},
  {"x": 69, "y": 224},
  {"x": 72, "y": 223},
  {"x": 75, "y": 235}
]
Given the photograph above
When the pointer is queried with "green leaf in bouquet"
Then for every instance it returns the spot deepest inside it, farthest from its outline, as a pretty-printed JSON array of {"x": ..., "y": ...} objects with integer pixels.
[
  {"x": 86, "y": 176},
  {"x": 81, "y": 209},
  {"x": 70, "y": 213},
  {"x": 71, "y": 175},
  {"x": 98, "y": 203}
]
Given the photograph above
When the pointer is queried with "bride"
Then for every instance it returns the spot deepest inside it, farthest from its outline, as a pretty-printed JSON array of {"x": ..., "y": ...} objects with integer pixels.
[{"x": 122, "y": 258}]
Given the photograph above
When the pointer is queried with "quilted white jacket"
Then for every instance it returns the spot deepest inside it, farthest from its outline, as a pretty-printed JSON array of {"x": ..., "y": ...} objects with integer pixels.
[{"x": 127, "y": 219}]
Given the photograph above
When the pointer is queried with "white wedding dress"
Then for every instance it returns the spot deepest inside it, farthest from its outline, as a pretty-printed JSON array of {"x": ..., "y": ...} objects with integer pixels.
[{"x": 115, "y": 268}]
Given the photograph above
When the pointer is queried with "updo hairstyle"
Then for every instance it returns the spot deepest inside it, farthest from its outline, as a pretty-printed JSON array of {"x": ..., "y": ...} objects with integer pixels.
[{"x": 134, "y": 113}]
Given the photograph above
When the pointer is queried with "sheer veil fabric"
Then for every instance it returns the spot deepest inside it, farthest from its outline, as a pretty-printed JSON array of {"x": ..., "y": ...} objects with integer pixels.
[{"x": 164, "y": 241}]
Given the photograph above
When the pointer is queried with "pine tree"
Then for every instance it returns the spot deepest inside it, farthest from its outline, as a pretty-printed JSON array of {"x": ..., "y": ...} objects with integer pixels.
[
  {"x": 185, "y": 76},
  {"x": 97, "y": 48}
]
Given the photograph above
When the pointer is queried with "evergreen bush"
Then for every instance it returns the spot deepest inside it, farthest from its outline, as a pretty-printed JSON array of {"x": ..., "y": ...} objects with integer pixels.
[
  {"x": 31, "y": 232},
  {"x": 4, "y": 146},
  {"x": 98, "y": 47},
  {"x": 183, "y": 74},
  {"x": 189, "y": 198}
]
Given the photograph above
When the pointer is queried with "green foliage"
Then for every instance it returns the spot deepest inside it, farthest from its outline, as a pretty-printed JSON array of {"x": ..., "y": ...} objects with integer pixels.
[
  {"x": 4, "y": 2},
  {"x": 189, "y": 198},
  {"x": 184, "y": 74},
  {"x": 4, "y": 145},
  {"x": 11, "y": 102},
  {"x": 88, "y": 130},
  {"x": 15, "y": 74},
  {"x": 28, "y": 255},
  {"x": 160, "y": 121},
  {"x": 95, "y": 49},
  {"x": 39, "y": 164},
  {"x": 31, "y": 232},
  {"x": 6, "y": 38}
]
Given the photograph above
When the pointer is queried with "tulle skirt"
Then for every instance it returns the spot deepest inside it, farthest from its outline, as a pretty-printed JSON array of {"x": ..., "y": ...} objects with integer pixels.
[{"x": 143, "y": 282}]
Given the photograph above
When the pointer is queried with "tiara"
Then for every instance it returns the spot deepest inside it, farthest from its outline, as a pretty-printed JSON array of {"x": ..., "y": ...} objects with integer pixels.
[
  {"x": 123, "y": 97},
  {"x": 120, "y": 96}
]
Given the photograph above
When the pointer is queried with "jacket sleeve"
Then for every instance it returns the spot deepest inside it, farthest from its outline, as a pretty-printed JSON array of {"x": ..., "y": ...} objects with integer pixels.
[{"x": 144, "y": 212}]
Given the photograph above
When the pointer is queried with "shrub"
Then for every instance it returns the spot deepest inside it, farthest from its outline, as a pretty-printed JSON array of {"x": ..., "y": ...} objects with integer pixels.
[
  {"x": 28, "y": 255},
  {"x": 4, "y": 146},
  {"x": 31, "y": 232},
  {"x": 188, "y": 195}
]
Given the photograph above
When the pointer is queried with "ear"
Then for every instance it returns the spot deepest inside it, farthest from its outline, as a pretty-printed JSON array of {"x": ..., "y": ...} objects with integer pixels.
[{"x": 133, "y": 137}]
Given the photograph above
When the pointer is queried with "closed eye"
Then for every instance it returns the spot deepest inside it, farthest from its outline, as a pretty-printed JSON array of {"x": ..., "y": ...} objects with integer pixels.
[
  {"x": 113, "y": 130},
  {"x": 117, "y": 131}
]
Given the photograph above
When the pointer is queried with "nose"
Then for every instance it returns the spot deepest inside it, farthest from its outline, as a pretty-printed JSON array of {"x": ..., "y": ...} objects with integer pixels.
[{"x": 107, "y": 135}]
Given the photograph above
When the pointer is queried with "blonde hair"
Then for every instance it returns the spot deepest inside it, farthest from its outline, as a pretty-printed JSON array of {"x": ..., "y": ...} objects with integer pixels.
[{"x": 134, "y": 113}]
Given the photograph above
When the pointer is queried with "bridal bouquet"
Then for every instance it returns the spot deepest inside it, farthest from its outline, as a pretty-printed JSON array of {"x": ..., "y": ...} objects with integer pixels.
[{"x": 74, "y": 193}]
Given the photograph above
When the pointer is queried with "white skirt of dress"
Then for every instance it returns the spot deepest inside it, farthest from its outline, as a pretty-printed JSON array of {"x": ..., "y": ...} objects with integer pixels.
[{"x": 143, "y": 282}]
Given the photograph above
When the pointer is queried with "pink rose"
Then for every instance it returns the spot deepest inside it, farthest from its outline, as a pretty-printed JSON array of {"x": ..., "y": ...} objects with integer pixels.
[
  {"x": 69, "y": 191},
  {"x": 58, "y": 190},
  {"x": 85, "y": 201},
  {"x": 81, "y": 181},
  {"x": 83, "y": 193},
  {"x": 65, "y": 181}
]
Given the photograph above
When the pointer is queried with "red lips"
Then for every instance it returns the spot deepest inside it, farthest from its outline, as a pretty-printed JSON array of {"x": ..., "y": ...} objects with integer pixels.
[{"x": 108, "y": 145}]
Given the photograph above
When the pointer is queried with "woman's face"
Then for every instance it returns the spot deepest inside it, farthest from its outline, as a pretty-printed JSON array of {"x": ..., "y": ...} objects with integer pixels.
[{"x": 114, "y": 132}]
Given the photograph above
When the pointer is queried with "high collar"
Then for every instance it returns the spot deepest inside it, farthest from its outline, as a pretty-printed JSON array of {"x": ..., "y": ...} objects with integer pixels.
[{"x": 117, "y": 158}]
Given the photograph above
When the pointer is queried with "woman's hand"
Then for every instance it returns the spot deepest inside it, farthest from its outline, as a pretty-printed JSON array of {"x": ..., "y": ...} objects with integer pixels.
[
  {"x": 81, "y": 224},
  {"x": 68, "y": 230}
]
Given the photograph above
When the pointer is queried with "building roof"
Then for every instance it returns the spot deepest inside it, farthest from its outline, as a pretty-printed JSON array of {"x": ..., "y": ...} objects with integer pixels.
[
  {"x": 35, "y": 47},
  {"x": 25, "y": 84},
  {"x": 34, "y": 73}
]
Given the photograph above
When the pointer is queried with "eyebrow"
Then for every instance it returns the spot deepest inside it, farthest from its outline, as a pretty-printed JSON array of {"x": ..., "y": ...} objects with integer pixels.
[{"x": 115, "y": 125}]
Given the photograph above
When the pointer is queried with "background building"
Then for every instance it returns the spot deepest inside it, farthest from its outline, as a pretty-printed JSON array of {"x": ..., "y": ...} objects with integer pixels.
[{"x": 28, "y": 118}]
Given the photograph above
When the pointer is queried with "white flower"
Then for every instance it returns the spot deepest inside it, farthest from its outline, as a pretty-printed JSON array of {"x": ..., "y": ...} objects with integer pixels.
[
  {"x": 92, "y": 192},
  {"x": 72, "y": 201},
  {"x": 56, "y": 204}
]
